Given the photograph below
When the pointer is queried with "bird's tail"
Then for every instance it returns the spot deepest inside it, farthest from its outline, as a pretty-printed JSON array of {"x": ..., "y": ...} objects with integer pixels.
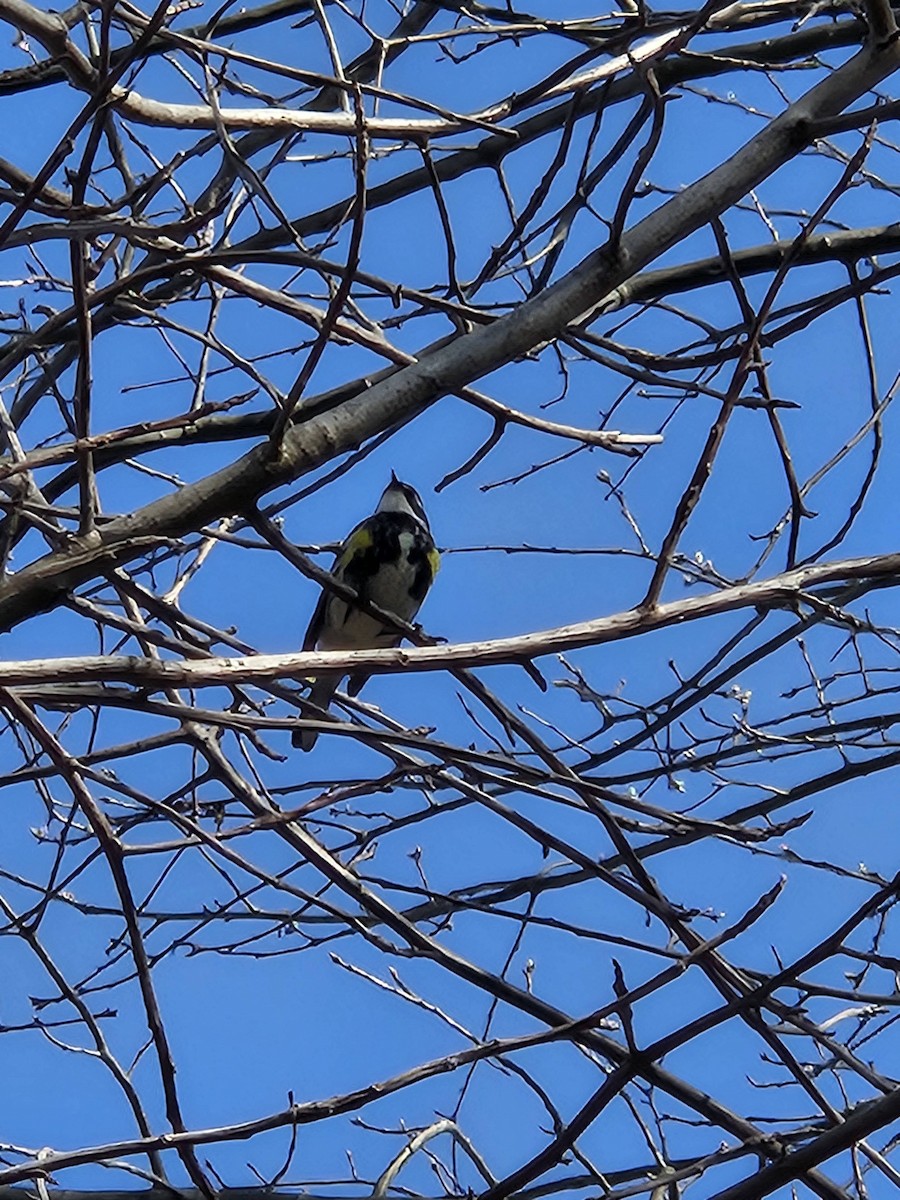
[{"x": 320, "y": 696}]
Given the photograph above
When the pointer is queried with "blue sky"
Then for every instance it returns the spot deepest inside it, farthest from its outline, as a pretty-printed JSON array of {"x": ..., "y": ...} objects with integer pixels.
[{"x": 251, "y": 1024}]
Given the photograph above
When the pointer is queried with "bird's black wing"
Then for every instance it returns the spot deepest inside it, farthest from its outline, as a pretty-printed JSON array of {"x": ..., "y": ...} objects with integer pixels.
[
  {"x": 351, "y": 554},
  {"x": 316, "y": 622}
]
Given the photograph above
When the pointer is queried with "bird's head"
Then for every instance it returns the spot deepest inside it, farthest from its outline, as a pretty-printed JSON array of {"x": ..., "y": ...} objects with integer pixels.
[{"x": 402, "y": 497}]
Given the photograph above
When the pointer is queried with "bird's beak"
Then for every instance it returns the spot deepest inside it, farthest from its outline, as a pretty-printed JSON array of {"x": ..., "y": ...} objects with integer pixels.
[{"x": 394, "y": 478}]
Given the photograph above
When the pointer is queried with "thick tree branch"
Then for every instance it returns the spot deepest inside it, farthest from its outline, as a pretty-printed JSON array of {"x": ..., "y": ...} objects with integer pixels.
[{"x": 789, "y": 591}]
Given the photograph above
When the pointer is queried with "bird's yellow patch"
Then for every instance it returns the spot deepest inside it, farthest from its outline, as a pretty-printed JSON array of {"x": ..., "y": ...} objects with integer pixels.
[
  {"x": 434, "y": 561},
  {"x": 357, "y": 543}
]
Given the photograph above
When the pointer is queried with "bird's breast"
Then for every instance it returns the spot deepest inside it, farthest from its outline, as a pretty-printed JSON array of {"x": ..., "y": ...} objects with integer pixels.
[{"x": 395, "y": 586}]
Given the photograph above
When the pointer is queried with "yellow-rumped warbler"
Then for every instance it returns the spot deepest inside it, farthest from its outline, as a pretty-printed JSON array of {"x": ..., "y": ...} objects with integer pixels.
[{"x": 389, "y": 560}]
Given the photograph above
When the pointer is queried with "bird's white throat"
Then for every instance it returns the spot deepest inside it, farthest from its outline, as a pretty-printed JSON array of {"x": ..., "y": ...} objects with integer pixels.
[{"x": 394, "y": 500}]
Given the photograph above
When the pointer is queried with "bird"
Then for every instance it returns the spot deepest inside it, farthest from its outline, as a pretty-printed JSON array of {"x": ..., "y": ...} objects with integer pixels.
[{"x": 390, "y": 560}]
